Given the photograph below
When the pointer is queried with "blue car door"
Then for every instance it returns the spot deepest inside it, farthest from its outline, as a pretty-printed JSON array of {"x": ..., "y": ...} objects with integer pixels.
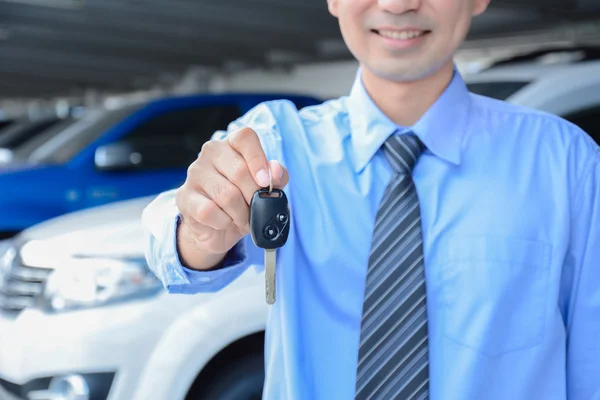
[{"x": 160, "y": 148}]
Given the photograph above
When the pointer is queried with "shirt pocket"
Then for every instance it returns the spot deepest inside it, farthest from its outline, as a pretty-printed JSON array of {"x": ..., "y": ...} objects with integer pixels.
[{"x": 495, "y": 292}]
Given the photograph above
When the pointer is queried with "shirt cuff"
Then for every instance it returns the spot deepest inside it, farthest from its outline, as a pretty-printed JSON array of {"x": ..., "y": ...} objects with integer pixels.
[{"x": 195, "y": 281}]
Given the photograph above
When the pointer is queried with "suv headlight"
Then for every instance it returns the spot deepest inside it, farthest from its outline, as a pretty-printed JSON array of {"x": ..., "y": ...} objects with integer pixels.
[
  {"x": 4, "y": 246},
  {"x": 93, "y": 282},
  {"x": 7, "y": 254}
]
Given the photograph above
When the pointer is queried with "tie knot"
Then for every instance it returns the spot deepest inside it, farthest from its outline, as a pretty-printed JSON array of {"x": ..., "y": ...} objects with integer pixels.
[{"x": 403, "y": 151}]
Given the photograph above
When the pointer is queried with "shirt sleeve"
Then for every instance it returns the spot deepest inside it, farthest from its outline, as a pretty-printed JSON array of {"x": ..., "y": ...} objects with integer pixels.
[
  {"x": 160, "y": 220},
  {"x": 580, "y": 291},
  {"x": 161, "y": 216}
]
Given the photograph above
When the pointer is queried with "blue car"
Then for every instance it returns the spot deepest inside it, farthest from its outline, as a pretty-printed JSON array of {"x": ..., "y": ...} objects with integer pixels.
[{"x": 111, "y": 155}]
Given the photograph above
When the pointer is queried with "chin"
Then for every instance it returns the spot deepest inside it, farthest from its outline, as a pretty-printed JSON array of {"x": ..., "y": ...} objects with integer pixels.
[
  {"x": 402, "y": 73},
  {"x": 405, "y": 71}
]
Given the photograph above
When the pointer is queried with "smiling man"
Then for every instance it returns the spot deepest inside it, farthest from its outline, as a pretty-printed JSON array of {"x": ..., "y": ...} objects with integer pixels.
[{"x": 443, "y": 245}]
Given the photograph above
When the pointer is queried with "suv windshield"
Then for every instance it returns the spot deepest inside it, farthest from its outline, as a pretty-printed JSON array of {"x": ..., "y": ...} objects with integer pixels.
[
  {"x": 496, "y": 90},
  {"x": 60, "y": 145}
]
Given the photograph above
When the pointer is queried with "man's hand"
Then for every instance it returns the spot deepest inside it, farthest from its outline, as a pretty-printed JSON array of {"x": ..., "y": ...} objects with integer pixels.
[{"x": 215, "y": 199}]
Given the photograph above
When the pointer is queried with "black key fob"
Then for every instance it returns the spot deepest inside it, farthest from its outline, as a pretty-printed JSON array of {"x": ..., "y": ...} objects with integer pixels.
[{"x": 269, "y": 218}]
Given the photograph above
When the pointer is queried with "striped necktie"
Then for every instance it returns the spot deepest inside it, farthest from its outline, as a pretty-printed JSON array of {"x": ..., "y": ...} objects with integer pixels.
[{"x": 393, "y": 352}]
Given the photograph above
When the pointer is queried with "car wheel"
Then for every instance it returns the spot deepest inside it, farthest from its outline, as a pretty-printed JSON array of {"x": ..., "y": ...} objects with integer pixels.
[{"x": 242, "y": 379}]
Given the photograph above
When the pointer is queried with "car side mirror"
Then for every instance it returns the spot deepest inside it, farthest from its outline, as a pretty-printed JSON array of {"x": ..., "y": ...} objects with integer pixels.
[
  {"x": 148, "y": 155},
  {"x": 6, "y": 156},
  {"x": 117, "y": 157}
]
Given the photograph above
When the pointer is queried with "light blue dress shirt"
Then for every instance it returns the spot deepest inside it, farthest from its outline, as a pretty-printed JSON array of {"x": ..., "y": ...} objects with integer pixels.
[{"x": 510, "y": 202}]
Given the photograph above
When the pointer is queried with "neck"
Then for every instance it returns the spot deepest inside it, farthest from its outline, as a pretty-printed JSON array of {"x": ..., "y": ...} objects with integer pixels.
[{"x": 406, "y": 102}]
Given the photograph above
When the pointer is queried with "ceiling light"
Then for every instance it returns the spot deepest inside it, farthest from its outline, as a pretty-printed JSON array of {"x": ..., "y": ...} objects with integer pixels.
[{"x": 73, "y": 4}]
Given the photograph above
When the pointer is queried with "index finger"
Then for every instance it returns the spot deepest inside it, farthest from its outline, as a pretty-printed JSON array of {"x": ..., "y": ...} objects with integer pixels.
[{"x": 246, "y": 142}]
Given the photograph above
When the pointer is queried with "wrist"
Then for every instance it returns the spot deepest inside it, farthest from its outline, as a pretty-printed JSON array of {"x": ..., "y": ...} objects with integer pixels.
[{"x": 191, "y": 254}]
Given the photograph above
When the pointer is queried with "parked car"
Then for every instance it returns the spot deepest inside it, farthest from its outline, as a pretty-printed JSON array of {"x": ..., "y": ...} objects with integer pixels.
[
  {"x": 80, "y": 309},
  {"x": 111, "y": 331},
  {"x": 112, "y": 155},
  {"x": 568, "y": 87},
  {"x": 18, "y": 133}
]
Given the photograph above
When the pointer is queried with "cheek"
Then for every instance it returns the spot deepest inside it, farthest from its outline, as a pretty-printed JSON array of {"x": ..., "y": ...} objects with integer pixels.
[
  {"x": 463, "y": 22},
  {"x": 456, "y": 20},
  {"x": 352, "y": 14}
]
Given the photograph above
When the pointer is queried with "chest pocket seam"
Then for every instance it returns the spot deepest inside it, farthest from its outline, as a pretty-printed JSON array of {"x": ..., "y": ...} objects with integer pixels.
[{"x": 495, "y": 292}]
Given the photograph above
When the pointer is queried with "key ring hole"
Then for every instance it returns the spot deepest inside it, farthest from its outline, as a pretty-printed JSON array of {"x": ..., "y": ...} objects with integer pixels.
[{"x": 274, "y": 194}]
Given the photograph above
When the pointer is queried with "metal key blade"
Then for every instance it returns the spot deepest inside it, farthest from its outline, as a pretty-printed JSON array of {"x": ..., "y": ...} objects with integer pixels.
[{"x": 270, "y": 262}]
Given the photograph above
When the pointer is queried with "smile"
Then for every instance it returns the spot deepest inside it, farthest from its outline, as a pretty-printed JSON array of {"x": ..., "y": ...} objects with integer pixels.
[{"x": 400, "y": 35}]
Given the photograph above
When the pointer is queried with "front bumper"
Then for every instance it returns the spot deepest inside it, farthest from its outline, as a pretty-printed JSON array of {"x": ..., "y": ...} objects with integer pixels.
[
  {"x": 108, "y": 345},
  {"x": 98, "y": 385}
]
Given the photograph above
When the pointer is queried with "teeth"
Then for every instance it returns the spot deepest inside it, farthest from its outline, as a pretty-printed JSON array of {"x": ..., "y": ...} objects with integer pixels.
[{"x": 404, "y": 35}]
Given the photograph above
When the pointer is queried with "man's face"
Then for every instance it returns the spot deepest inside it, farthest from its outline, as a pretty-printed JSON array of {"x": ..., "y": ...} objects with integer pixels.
[{"x": 404, "y": 40}]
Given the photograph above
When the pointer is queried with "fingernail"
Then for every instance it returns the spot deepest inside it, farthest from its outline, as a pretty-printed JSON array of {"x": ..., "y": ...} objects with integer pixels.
[
  {"x": 262, "y": 178},
  {"x": 280, "y": 170}
]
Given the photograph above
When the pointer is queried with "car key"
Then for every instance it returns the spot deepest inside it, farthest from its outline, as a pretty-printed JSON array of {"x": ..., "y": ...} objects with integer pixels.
[{"x": 269, "y": 226}]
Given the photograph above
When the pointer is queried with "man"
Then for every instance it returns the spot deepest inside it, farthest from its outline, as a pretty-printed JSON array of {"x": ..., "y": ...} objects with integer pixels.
[{"x": 443, "y": 245}]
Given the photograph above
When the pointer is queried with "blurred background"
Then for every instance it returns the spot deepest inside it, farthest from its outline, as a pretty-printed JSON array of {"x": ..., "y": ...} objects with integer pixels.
[{"x": 104, "y": 104}]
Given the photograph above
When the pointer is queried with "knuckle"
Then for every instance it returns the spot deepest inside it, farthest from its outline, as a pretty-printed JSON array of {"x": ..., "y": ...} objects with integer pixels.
[
  {"x": 239, "y": 171},
  {"x": 227, "y": 194},
  {"x": 193, "y": 169},
  {"x": 208, "y": 147},
  {"x": 182, "y": 199},
  {"x": 179, "y": 201},
  {"x": 241, "y": 135},
  {"x": 205, "y": 212}
]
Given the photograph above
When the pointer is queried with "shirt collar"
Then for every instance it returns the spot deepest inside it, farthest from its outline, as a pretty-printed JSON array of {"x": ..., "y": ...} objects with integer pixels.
[{"x": 441, "y": 128}]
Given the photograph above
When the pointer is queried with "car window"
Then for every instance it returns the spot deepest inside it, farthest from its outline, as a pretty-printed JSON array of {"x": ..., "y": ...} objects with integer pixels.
[
  {"x": 588, "y": 120},
  {"x": 174, "y": 138},
  {"x": 496, "y": 90},
  {"x": 5, "y": 123},
  {"x": 60, "y": 144},
  {"x": 18, "y": 134}
]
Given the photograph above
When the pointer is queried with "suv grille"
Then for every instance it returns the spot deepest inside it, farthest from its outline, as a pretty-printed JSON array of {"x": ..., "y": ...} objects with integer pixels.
[{"x": 20, "y": 285}]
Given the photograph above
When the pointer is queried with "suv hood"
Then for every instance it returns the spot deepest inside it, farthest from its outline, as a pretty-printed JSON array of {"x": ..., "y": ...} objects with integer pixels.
[{"x": 110, "y": 230}]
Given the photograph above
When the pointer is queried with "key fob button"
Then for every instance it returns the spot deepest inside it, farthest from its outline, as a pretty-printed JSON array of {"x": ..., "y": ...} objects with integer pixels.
[
  {"x": 271, "y": 232},
  {"x": 282, "y": 218}
]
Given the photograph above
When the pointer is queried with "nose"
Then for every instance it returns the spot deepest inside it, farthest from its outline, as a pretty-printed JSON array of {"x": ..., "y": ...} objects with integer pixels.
[{"x": 399, "y": 6}]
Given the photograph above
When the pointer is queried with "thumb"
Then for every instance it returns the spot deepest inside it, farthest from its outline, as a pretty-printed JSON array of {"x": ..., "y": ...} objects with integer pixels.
[{"x": 280, "y": 174}]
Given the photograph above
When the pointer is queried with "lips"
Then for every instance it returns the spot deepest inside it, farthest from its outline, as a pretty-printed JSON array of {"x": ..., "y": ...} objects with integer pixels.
[{"x": 400, "y": 34}]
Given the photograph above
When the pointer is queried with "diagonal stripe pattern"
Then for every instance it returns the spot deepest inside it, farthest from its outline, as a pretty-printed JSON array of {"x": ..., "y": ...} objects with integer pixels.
[{"x": 393, "y": 354}]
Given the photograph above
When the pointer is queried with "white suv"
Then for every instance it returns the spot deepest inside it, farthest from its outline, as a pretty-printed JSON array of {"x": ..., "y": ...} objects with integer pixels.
[
  {"x": 82, "y": 318},
  {"x": 570, "y": 89}
]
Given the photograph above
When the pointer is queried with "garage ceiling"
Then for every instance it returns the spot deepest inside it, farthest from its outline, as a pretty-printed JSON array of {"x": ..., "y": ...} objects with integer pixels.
[{"x": 53, "y": 47}]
